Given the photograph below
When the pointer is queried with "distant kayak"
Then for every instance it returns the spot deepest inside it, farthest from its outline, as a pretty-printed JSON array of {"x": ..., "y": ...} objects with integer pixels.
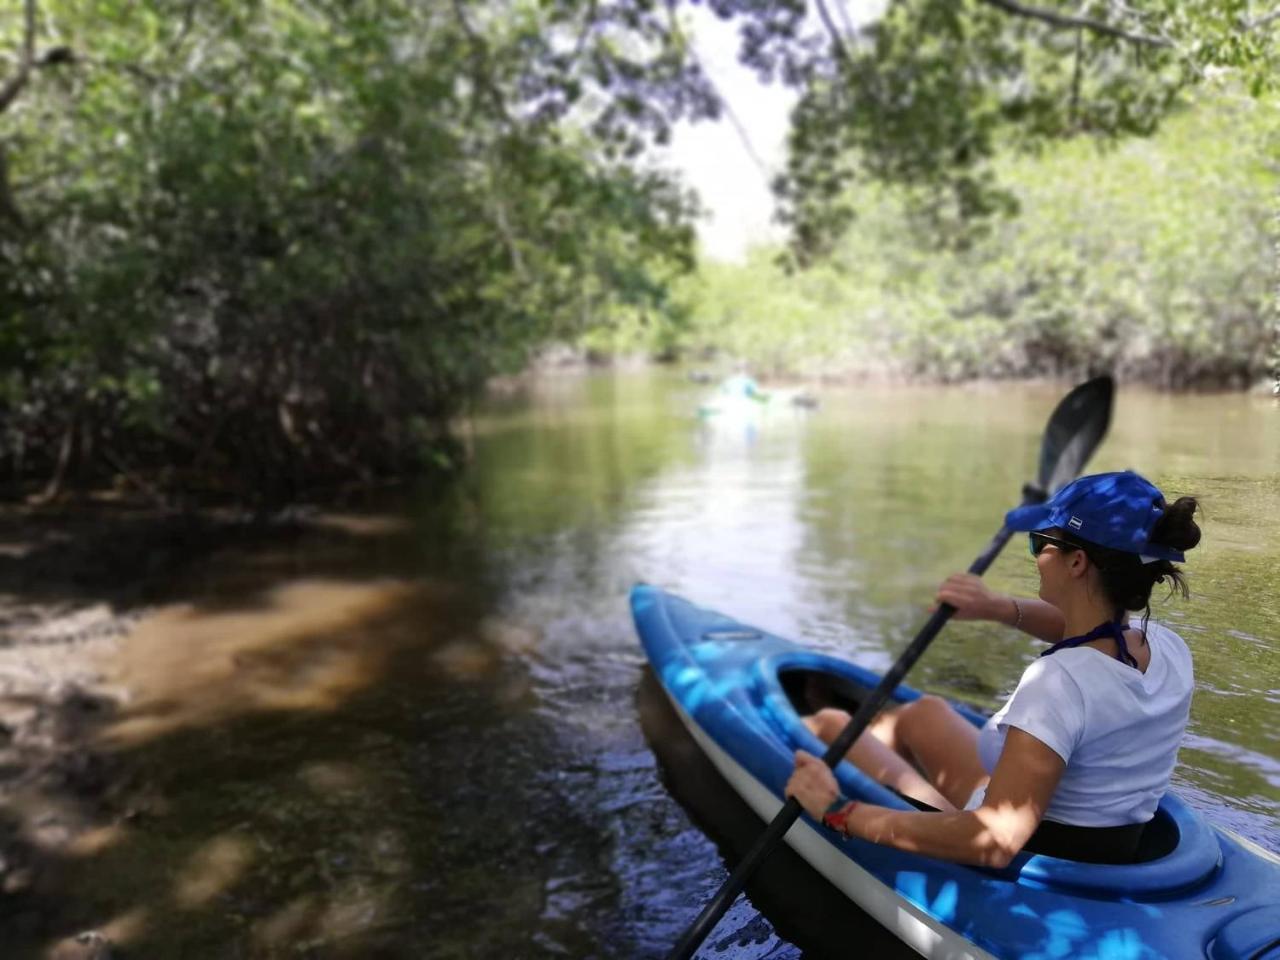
[
  {"x": 729, "y": 405},
  {"x": 1194, "y": 891},
  {"x": 737, "y": 396},
  {"x": 734, "y": 407}
]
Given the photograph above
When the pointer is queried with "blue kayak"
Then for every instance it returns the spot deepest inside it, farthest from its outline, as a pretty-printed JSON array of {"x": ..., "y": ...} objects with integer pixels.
[{"x": 1195, "y": 892}]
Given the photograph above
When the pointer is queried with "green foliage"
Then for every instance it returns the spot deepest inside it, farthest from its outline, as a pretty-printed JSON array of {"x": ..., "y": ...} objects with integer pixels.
[
  {"x": 252, "y": 248},
  {"x": 260, "y": 247},
  {"x": 928, "y": 95},
  {"x": 1153, "y": 258},
  {"x": 814, "y": 321}
]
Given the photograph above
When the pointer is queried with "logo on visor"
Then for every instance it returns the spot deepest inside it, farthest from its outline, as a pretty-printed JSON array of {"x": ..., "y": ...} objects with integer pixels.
[{"x": 1075, "y": 523}]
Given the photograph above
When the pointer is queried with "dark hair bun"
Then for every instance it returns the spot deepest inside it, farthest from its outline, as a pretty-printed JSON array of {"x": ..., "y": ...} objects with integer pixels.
[{"x": 1177, "y": 528}]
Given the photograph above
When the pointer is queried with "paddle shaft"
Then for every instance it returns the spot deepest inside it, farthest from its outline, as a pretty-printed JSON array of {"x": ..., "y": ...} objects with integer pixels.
[
  {"x": 790, "y": 812},
  {"x": 1075, "y": 428}
]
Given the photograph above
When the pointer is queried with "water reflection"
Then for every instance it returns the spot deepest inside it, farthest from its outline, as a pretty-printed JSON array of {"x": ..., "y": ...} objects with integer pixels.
[{"x": 414, "y": 733}]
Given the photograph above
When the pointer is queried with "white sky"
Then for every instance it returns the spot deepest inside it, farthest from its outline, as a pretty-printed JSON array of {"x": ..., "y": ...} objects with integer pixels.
[{"x": 712, "y": 157}]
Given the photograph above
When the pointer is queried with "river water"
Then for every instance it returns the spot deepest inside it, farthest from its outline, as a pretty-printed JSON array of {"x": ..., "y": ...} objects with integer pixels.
[{"x": 413, "y": 732}]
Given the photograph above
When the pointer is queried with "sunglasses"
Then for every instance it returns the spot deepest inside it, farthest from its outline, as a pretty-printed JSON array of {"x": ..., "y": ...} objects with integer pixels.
[{"x": 1038, "y": 541}]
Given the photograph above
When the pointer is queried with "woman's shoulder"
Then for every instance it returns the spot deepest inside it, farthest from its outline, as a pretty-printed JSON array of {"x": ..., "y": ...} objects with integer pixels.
[
  {"x": 1167, "y": 644},
  {"x": 1168, "y": 639},
  {"x": 1058, "y": 673},
  {"x": 1090, "y": 671}
]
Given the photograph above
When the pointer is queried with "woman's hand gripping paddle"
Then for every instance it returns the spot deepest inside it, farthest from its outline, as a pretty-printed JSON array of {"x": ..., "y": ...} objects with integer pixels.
[{"x": 1075, "y": 429}]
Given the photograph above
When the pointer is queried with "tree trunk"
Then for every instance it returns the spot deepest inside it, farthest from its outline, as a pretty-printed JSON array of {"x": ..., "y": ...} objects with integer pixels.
[{"x": 54, "y": 486}]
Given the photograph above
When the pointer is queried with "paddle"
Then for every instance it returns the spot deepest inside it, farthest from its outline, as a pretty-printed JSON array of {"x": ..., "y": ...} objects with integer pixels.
[{"x": 1074, "y": 431}]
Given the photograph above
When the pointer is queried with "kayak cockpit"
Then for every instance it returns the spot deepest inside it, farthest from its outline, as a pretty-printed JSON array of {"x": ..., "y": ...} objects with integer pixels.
[{"x": 1178, "y": 849}]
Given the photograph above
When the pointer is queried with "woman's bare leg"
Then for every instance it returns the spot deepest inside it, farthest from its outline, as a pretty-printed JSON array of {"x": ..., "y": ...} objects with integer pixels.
[
  {"x": 930, "y": 734},
  {"x": 876, "y": 760}
]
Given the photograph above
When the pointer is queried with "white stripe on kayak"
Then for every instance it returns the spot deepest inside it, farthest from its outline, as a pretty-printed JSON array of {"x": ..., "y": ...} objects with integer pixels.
[
  {"x": 1249, "y": 845},
  {"x": 901, "y": 917}
]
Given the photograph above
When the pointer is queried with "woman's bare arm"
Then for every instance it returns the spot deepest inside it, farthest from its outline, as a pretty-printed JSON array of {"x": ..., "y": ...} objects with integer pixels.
[
  {"x": 1017, "y": 796},
  {"x": 992, "y": 835},
  {"x": 974, "y": 600}
]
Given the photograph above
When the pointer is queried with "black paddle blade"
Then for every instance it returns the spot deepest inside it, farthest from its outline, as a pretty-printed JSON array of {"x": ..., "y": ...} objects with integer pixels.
[{"x": 1075, "y": 430}]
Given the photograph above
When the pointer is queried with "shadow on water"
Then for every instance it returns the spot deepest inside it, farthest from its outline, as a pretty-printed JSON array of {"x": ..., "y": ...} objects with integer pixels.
[
  {"x": 331, "y": 747},
  {"x": 363, "y": 766},
  {"x": 305, "y": 766},
  {"x": 115, "y": 553},
  {"x": 801, "y": 905}
]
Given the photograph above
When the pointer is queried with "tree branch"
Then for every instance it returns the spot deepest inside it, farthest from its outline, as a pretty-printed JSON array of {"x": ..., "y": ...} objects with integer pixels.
[
  {"x": 1064, "y": 21},
  {"x": 1263, "y": 20},
  {"x": 1075, "y": 80},
  {"x": 837, "y": 42},
  {"x": 588, "y": 22},
  {"x": 8, "y": 205},
  {"x": 738, "y": 127},
  {"x": 480, "y": 69},
  {"x": 480, "y": 63},
  {"x": 142, "y": 73},
  {"x": 188, "y": 18},
  {"x": 845, "y": 20},
  {"x": 15, "y": 83}
]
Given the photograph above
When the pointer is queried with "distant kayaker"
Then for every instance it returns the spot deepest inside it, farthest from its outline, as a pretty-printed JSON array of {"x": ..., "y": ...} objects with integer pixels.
[
  {"x": 1076, "y": 761},
  {"x": 741, "y": 386}
]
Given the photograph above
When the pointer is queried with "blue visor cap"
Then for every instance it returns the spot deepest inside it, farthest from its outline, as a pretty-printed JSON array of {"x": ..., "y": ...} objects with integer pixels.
[{"x": 1114, "y": 510}]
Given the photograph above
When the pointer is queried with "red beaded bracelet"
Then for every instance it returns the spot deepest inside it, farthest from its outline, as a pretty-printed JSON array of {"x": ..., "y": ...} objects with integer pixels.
[{"x": 838, "y": 819}]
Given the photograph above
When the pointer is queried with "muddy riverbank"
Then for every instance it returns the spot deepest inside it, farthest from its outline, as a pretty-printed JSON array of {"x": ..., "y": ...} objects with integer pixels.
[
  {"x": 198, "y": 713},
  {"x": 74, "y": 580}
]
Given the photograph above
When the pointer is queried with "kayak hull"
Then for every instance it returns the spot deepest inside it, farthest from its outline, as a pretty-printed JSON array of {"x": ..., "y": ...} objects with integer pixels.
[
  {"x": 735, "y": 689},
  {"x": 800, "y": 904}
]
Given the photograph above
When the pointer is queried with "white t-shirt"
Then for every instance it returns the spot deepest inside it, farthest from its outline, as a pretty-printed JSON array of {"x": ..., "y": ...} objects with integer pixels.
[{"x": 1117, "y": 728}]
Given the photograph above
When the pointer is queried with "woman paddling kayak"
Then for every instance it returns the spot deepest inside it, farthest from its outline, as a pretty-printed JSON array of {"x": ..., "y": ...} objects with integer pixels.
[{"x": 1075, "y": 763}]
